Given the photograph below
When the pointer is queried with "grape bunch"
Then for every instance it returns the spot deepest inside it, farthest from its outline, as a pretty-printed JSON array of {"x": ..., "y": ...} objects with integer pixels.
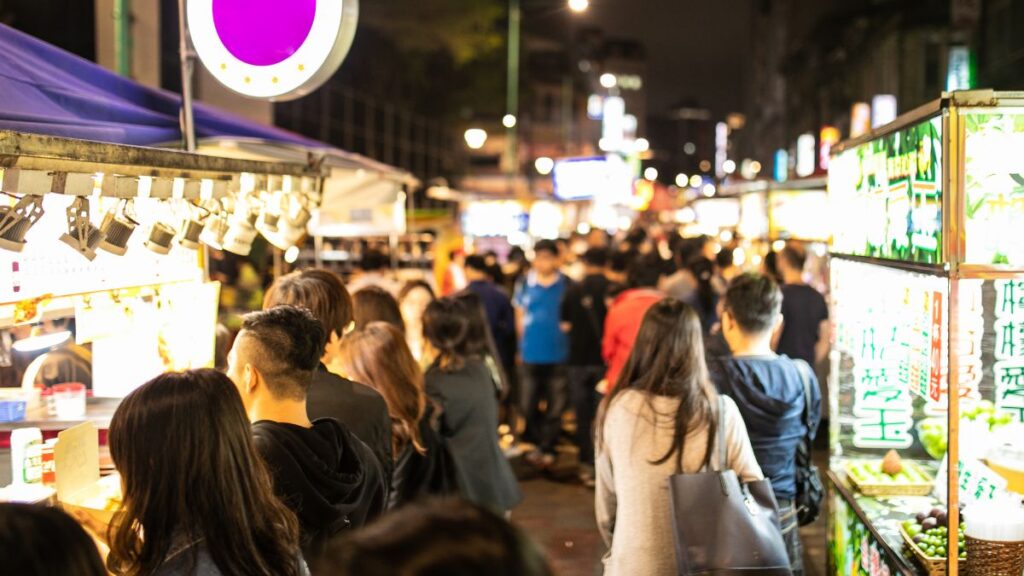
[{"x": 930, "y": 532}]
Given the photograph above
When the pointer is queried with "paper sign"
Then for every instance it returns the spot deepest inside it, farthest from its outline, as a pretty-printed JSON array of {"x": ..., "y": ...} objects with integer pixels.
[
  {"x": 76, "y": 459},
  {"x": 977, "y": 482}
]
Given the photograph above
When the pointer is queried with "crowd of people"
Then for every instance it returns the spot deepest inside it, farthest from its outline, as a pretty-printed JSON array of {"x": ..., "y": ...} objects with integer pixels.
[{"x": 355, "y": 427}]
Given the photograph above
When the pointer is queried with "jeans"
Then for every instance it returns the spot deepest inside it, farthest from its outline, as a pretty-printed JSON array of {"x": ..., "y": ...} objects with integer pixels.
[
  {"x": 545, "y": 382},
  {"x": 582, "y": 383},
  {"x": 791, "y": 535}
]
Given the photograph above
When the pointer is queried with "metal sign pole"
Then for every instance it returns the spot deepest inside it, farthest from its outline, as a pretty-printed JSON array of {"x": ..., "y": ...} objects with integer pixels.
[{"x": 188, "y": 129}]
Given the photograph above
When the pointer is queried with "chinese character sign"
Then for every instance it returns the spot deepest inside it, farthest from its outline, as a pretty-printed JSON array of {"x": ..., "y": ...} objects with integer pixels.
[{"x": 1009, "y": 347}]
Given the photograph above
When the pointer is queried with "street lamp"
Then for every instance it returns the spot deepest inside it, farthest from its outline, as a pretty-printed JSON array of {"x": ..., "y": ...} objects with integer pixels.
[
  {"x": 544, "y": 165},
  {"x": 608, "y": 80},
  {"x": 682, "y": 180},
  {"x": 651, "y": 173},
  {"x": 579, "y": 5},
  {"x": 509, "y": 121},
  {"x": 475, "y": 138},
  {"x": 642, "y": 145}
]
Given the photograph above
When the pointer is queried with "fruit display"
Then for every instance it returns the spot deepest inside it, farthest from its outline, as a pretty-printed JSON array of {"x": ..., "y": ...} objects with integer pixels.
[
  {"x": 890, "y": 476},
  {"x": 986, "y": 413},
  {"x": 928, "y": 533},
  {"x": 934, "y": 436}
]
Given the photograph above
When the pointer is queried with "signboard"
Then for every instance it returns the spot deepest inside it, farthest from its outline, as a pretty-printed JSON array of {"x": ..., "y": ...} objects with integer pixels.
[
  {"x": 883, "y": 110},
  {"x": 272, "y": 50},
  {"x": 994, "y": 186},
  {"x": 497, "y": 218},
  {"x": 959, "y": 72},
  {"x": 585, "y": 178},
  {"x": 753, "y": 216},
  {"x": 827, "y": 138},
  {"x": 799, "y": 214},
  {"x": 860, "y": 119},
  {"x": 613, "y": 125},
  {"x": 805, "y": 160},
  {"x": 1009, "y": 347},
  {"x": 717, "y": 212},
  {"x": 887, "y": 196},
  {"x": 781, "y": 169}
]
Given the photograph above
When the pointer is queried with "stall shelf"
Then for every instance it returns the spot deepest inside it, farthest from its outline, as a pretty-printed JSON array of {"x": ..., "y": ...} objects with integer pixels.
[{"x": 927, "y": 291}]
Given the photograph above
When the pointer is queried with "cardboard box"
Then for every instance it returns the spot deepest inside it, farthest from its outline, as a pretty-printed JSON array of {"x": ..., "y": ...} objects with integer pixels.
[{"x": 79, "y": 486}]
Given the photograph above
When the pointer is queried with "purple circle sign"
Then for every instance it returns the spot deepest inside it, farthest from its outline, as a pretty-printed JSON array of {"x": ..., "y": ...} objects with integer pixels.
[{"x": 263, "y": 32}]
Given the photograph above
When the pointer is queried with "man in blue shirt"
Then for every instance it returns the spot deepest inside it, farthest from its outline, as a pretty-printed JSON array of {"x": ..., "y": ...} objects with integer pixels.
[
  {"x": 768, "y": 390},
  {"x": 544, "y": 348}
]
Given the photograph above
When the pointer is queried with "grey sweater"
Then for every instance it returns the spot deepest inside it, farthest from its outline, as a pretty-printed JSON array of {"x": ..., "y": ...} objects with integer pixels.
[
  {"x": 179, "y": 562},
  {"x": 631, "y": 499}
]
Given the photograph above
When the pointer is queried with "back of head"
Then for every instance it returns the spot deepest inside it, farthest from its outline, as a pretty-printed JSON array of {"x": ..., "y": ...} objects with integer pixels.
[
  {"x": 44, "y": 541},
  {"x": 477, "y": 263},
  {"x": 644, "y": 272},
  {"x": 322, "y": 292},
  {"x": 375, "y": 304},
  {"x": 450, "y": 538},
  {"x": 446, "y": 326},
  {"x": 668, "y": 361},
  {"x": 285, "y": 344},
  {"x": 725, "y": 259},
  {"x": 595, "y": 257},
  {"x": 378, "y": 356},
  {"x": 374, "y": 260},
  {"x": 754, "y": 301},
  {"x": 619, "y": 261},
  {"x": 212, "y": 485},
  {"x": 793, "y": 256}
]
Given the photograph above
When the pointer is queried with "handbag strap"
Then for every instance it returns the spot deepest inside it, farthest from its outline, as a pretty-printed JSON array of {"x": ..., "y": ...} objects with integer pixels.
[
  {"x": 723, "y": 455},
  {"x": 805, "y": 376}
]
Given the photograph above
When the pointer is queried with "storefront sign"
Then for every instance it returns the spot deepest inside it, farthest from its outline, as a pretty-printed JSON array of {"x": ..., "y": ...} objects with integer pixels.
[
  {"x": 883, "y": 110},
  {"x": 994, "y": 184},
  {"x": 935, "y": 379},
  {"x": 781, "y": 169},
  {"x": 959, "y": 72},
  {"x": 860, "y": 119},
  {"x": 721, "y": 148},
  {"x": 798, "y": 214},
  {"x": 828, "y": 138},
  {"x": 272, "y": 50},
  {"x": 613, "y": 125},
  {"x": 805, "y": 158},
  {"x": 887, "y": 198}
]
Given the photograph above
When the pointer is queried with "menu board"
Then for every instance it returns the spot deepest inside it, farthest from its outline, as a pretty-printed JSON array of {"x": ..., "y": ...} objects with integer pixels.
[
  {"x": 886, "y": 195},
  {"x": 799, "y": 214},
  {"x": 47, "y": 266},
  {"x": 994, "y": 186}
]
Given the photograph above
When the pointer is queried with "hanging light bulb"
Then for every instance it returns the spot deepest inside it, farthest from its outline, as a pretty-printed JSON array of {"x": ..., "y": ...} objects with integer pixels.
[
  {"x": 242, "y": 229},
  {"x": 16, "y": 221},
  {"x": 117, "y": 228},
  {"x": 216, "y": 228},
  {"x": 160, "y": 238},
  {"x": 82, "y": 235}
]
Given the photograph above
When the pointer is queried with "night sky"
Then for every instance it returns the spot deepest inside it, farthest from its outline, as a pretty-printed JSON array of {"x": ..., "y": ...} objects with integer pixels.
[{"x": 696, "y": 49}]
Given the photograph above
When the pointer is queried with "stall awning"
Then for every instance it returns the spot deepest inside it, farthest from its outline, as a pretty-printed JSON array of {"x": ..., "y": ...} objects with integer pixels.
[{"x": 46, "y": 90}]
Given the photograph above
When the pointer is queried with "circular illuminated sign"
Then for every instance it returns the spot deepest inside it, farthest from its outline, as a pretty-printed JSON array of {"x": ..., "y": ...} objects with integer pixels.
[{"x": 271, "y": 49}]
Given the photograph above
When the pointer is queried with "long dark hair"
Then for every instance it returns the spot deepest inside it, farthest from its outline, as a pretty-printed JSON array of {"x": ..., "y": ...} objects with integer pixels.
[
  {"x": 479, "y": 341},
  {"x": 446, "y": 327},
  {"x": 44, "y": 541},
  {"x": 668, "y": 360},
  {"x": 190, "y": 472},
  {"x": 379, "y": 357}
]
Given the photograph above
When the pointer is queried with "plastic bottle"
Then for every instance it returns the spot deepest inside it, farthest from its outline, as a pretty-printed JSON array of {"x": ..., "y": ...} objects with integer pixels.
[{"x": 26, "y": 444}]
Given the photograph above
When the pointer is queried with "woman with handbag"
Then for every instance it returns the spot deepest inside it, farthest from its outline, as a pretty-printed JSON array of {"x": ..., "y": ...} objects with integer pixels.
[
  {"x": 378, "y": 355},
  {"x": 659, "y": 420}
]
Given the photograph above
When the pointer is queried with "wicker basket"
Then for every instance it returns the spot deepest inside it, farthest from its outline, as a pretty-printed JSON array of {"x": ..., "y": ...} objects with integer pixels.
[
  {"x": 933, "y": 566},
  {"x": 868, "y": 489},
  {"x": 994, "y": 558}
]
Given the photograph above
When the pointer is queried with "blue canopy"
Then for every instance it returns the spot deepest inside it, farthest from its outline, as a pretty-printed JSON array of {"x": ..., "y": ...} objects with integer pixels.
[{"x": 45, "y": 90}]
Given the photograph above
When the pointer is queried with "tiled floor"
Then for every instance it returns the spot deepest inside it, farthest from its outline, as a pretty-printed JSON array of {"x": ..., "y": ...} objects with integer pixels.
[{"x": 559, "y": 516}]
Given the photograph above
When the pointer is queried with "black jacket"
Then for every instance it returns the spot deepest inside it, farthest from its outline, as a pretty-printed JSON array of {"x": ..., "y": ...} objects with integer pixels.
[
  {"x": 469, "y": 425},
  {"x": 360, "y": 408},
  {"x": 327, "y": 476}
]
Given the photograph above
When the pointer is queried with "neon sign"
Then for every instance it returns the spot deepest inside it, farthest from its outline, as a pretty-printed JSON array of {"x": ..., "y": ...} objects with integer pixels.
[{"x": 269, "y": 49}]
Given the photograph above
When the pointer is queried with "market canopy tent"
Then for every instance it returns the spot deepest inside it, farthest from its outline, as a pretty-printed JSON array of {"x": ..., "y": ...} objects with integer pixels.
[{"x": 45, "y": 90}]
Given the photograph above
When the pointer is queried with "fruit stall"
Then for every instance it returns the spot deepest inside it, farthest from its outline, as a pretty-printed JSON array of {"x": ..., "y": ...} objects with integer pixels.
[{"x": 927, "y": 367}]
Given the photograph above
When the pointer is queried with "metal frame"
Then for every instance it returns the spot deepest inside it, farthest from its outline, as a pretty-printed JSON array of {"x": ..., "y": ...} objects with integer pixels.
[{"x": 954, "y": 242}]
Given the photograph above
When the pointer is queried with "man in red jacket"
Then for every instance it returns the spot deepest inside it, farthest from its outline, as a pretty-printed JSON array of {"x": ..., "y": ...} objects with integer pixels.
[{"x": 626, "y": 314}]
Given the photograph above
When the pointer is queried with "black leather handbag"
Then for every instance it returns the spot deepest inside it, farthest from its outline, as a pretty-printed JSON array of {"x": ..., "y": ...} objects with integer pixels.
[{"x": 723, "y": 527}]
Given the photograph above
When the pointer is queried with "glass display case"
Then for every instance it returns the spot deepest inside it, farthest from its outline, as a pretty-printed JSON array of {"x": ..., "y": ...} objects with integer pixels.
[{"x": 927, "y": 366}]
